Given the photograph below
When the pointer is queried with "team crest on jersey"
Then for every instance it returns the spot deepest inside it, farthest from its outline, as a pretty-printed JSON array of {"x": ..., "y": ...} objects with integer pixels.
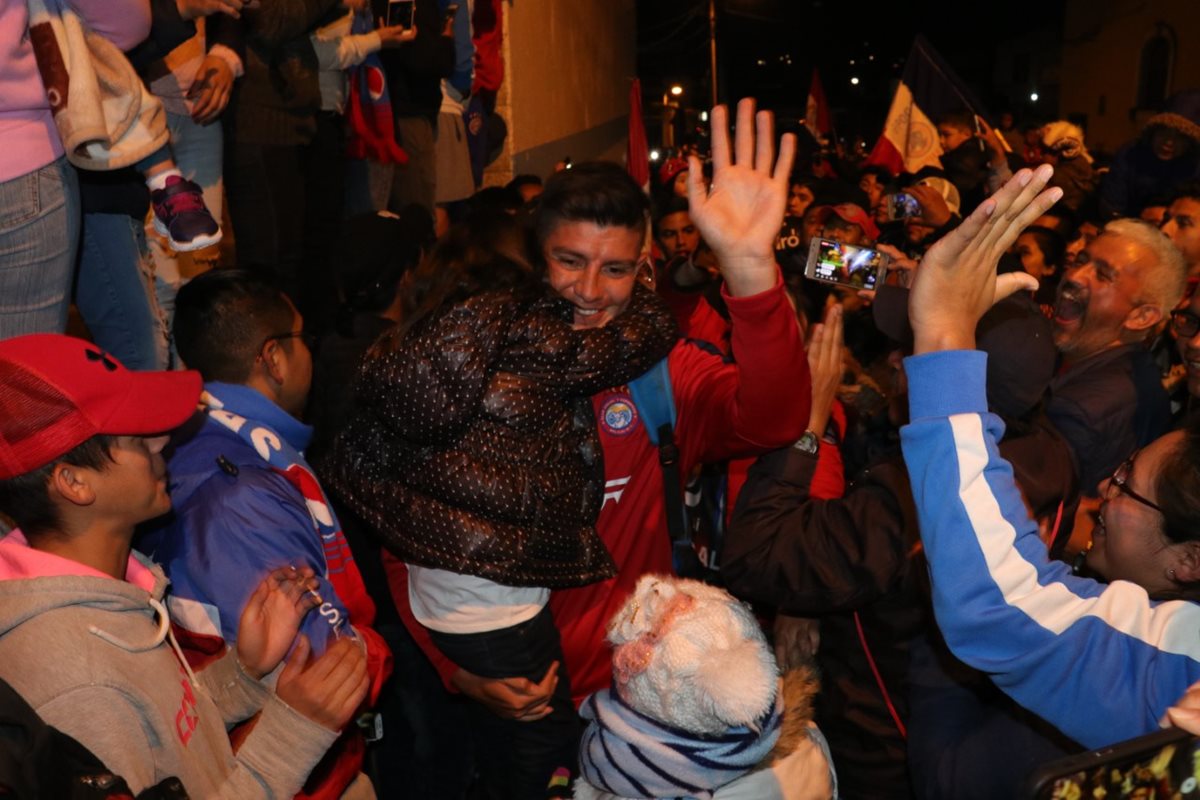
[{"x": 618, "y": 416}]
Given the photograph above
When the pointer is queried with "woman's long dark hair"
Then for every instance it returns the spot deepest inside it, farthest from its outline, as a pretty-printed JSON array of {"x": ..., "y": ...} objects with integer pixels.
[{"x": 486, "y": 253}]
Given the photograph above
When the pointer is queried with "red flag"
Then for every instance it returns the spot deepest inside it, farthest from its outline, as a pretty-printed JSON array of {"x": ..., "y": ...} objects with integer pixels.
[
  {"x": 637, "y": 156},
  {"x": 816, "y": 110}
]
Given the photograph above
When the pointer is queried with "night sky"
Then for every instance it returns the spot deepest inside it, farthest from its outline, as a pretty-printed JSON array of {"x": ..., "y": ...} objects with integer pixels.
[{"x": 790, "y": 37}]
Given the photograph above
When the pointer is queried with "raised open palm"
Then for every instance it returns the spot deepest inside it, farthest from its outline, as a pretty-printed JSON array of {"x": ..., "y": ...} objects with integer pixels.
[
  {"x": 740, "y": 215},
  {"x": 956, "y": 282}
]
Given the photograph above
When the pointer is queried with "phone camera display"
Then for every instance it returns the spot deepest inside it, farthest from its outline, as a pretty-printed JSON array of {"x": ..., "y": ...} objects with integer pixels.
[{"x": 857, "y": 267}]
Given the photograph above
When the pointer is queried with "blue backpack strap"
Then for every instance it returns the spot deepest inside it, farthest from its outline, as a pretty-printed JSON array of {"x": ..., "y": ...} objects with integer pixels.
[{"x": 654, "y": 400}]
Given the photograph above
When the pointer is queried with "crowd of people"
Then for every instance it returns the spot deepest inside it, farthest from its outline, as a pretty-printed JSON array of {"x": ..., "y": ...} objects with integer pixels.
[{"x": 382, "y": 484}]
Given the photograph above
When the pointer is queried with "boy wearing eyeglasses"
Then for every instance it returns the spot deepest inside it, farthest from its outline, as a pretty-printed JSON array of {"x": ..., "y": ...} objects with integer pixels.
[{"x": 246, "y": 499}]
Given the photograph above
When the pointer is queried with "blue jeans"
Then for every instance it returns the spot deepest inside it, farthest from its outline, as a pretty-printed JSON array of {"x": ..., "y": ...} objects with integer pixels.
[
  {"x": 39, "y": 233},
  {"x": 115, "y": 292}
]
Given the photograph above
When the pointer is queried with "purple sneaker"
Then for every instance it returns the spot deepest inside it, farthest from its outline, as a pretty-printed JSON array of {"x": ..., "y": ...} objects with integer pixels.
[{"x": 181, "y": 216}]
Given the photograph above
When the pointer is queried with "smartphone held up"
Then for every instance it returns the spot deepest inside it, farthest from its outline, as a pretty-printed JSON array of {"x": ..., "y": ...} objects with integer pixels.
[
  {"x": 901, "y": 206},
  {"x": 400, "y": 13},
  {"x": 853, "y": 266}
]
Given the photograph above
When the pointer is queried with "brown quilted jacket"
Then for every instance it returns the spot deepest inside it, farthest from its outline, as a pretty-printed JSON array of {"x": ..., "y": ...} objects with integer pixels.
[{"x": 473, "y": 445}]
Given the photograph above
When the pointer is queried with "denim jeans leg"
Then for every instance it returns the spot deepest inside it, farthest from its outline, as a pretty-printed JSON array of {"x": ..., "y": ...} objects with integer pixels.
[
  {"x": 115, "y": 291},
  {"x": 39, "y": 235}
]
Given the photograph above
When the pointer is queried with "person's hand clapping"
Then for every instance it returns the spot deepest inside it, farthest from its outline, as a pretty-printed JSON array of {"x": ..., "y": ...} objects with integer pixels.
[
  {"x": 956, "y": 282},
  {"x": 271, "y": 618},
  {"x": 740, "y": 215},
  {"x": 327, "y": 690},
  {"x": 825, "y": 367}
]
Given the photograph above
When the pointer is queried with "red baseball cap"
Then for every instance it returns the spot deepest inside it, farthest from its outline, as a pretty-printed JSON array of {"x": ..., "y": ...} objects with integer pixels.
[
  {"x": 670, "y": 168},
  {"x": 854, "y": 215},
  {"x": 56, "y": 392}
]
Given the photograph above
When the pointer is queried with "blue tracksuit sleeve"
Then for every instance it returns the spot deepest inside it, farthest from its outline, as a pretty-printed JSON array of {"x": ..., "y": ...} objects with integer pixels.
[
  {"x": 236, "y": 535},
  {"x": 1100, "y": 661}
]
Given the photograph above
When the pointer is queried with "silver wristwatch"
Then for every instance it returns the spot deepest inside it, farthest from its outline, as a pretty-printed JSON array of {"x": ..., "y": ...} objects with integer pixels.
[{"x": 808, "y": 444}]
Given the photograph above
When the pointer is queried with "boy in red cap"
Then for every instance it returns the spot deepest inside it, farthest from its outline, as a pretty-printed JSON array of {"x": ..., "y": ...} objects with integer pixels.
[{"x": 84, "y": 633}]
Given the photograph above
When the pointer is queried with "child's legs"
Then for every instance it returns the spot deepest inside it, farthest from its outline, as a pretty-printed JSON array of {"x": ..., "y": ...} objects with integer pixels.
[
  {"x": 517, "y": 759},
  {"x": 156, "y": 163},
  {"x": 198, "y": 152}
]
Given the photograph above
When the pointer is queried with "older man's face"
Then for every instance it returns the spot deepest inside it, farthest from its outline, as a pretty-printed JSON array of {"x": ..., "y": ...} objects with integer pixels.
[{"x": 1098, "y": 294}]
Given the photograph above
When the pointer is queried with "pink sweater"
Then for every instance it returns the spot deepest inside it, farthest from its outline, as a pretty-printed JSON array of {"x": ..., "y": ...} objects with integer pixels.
[{"x": 28, "y": 138}]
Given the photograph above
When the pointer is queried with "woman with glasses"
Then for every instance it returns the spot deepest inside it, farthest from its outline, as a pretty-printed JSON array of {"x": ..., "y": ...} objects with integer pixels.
[{"x": 1148, "y": 528}]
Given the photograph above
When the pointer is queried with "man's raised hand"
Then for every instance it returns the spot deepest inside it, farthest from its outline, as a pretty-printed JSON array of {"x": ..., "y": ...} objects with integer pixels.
[
  {"x": 740, "y": 216},
  {"x": 956, "y": 282}
]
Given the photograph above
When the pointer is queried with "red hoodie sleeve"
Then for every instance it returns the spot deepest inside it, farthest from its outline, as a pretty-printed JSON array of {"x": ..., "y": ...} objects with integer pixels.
[
  {"x": 759, "y": 402},
  {"x": 397, "y": 577}
]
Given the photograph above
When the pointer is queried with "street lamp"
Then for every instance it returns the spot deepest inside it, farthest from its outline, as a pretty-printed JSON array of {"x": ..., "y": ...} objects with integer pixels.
[{"x": 669, "y": 108}]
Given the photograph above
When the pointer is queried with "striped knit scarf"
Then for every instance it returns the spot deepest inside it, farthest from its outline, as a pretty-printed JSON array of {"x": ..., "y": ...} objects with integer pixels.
[{"x": 630, "y": 755}]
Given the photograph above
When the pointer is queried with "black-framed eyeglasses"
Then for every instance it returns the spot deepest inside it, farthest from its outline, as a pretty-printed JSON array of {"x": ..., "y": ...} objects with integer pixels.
[
  {"x": 1184, "y": 323},
  {"x": 1120, "y": 479}
]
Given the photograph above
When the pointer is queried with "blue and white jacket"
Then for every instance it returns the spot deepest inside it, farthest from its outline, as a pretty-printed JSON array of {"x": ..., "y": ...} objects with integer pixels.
[
  {"x": 1102, "y": 662},
  {"x": 234, "y": 519}
]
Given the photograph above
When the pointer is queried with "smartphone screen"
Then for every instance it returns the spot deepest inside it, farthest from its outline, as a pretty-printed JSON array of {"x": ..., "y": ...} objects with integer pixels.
[
  {"x": 1161, "y": 764},
  {"x": 400, "y": 12},
  {"x": 902, "y": 206},
  {"x": 849, "y": 265}
]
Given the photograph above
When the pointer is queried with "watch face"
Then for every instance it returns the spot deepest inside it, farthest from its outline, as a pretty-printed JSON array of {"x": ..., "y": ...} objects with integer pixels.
[{"x": 808, "y": 443}]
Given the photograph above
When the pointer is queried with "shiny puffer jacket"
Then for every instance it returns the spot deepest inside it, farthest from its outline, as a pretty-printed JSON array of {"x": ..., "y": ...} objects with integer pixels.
[{"x": 473, "y": 445}]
